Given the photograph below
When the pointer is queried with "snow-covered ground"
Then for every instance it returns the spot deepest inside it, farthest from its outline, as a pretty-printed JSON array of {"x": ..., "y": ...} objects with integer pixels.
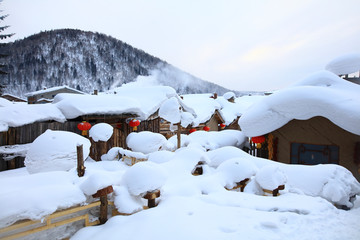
[{"x": 189, "y": 207}]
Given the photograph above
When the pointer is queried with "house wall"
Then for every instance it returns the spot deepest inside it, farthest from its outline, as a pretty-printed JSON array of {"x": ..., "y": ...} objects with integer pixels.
[
  {"x": 213, "y": 124},
  {"x": 318, "y": 130}
]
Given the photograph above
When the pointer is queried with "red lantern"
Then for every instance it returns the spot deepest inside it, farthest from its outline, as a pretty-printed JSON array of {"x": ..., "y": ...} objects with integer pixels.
[
  {"x": 222, "y": 125},
  {"x": 259, "y": 139},
  {"x": 84, "y": 127},
  {"x": 192, "y": 130},
  {"x": 134, "y": 123},
  {"x": 206, "y": 128}
]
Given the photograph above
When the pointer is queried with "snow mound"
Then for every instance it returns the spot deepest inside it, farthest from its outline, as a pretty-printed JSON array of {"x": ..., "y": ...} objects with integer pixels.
[
  {"x": 99, "y": 180},
  {"x": 270, "y": 177},
  {"x": 101, "y": 132},
  {"x": 144, "y": 177},
  {"x": 4, "y": 102},
  {"x": 345, "y": 64},
  {"x": 235, "y": 170},
  {"x": 55, "y": 151},
  {"x": 329, "y": 181},
  {"x": 229, "y": 95},
  {"x": 145, "y": 141},
  {"x": 322, "y": 94},
  {"x": 213, "y": 139}
]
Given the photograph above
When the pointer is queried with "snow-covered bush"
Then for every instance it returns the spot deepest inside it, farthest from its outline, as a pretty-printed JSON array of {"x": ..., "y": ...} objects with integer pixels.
[
  {"x": 270, "y": 177},
  {"x": 213, "y": 139},
  {"x": 55, "y": 151}
]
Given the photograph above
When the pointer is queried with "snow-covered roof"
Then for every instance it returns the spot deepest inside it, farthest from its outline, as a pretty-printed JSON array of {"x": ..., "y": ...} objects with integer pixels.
[
  {"x": 19, "y": 114},
  {"x": 321, "y": 94},
  {"x": 345, "y": 64},
  {"x": 141, "y": 101},
  {"x": 52, "y": 90},
  {"x": 205, "y": 106}
]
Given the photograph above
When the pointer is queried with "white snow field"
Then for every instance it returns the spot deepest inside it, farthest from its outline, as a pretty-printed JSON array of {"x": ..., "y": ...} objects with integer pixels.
[{"x": 190, "y": 207}]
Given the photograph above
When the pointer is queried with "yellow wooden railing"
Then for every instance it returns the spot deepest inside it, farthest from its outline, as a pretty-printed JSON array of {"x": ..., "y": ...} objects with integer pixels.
[{"x": 48, "y": 223}]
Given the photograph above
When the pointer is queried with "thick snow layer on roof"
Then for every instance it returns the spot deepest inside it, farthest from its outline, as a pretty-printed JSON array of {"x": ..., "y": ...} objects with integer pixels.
[
  {"x": 20, "y": 114},
  {"x": 141, "y": 101},
  {"x": 231, "y": 111},
  {"x": 51, "y": 90},
  {"x": 345, "y": 64},
  {"x": 322, "y": 94},
  {"x": 149, "y": 98},
  {"x": 203, "y": 105},
  {"x": 75, "y": 105}
]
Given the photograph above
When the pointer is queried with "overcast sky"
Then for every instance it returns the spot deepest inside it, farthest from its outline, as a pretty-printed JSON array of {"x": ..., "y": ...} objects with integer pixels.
[{"x": 239, "y": 44}]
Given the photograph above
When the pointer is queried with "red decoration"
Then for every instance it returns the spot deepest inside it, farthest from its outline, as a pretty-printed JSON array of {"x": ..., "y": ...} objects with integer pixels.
[
  {"x": 206, "y": 128},
  {"x": 84, "y": 127},
  {"x": 259, "y": 139},
  {"x": 222, "y": 125},
  {"x": 192, "y": 130},
  {"x": 134, "y": 123}
]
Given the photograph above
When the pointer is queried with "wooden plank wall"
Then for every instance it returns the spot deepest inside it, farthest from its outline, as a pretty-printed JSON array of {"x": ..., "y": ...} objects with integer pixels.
[
  {"x": 318, "y": 130},
  {"x": 28, "y": 133}
]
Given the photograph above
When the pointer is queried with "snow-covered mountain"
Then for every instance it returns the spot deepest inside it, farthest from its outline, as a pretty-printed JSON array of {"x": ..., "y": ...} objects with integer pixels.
[{"x": 88, "y": 61}]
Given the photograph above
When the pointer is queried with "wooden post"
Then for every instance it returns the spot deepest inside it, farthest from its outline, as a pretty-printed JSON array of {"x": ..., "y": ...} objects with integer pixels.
[
  {"x": 178, "y": 135},
  {"x": 151, "y": 196},
  {"x": 103, "y": 209},
  {"x": 80, "y": 160},
  {"x": 102, "y": 194}
]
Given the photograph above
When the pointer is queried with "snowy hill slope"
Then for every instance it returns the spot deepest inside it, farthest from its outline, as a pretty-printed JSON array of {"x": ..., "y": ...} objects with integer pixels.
[{"x": 87, "y": 61}]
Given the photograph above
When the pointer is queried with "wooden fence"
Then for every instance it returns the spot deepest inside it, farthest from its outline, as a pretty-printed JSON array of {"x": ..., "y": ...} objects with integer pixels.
[{"x": 28, "y": 227}]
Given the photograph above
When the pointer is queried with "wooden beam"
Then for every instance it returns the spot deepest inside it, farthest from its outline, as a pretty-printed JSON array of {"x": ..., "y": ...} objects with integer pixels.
[{"x": 178, "y": 133}]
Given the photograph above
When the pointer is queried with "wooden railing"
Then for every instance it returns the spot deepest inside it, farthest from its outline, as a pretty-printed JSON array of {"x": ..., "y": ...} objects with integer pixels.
[{"x": 27, "y": 227}]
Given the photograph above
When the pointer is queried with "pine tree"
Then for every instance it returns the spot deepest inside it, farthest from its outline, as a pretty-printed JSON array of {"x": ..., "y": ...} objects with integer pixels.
[{"x": 2, "y": 54}]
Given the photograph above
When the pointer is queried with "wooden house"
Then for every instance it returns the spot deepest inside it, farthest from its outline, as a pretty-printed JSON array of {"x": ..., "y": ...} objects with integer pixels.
[
  {"x": 314, "y": 122},
  {"x": 313, "y": 141},
  {"x": 12, "y": 98},
  {"x": 47, "y": 94}
]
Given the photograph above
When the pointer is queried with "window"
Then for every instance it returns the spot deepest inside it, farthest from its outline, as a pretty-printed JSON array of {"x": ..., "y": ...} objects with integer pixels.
[{"x": 311, "y": 154}]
